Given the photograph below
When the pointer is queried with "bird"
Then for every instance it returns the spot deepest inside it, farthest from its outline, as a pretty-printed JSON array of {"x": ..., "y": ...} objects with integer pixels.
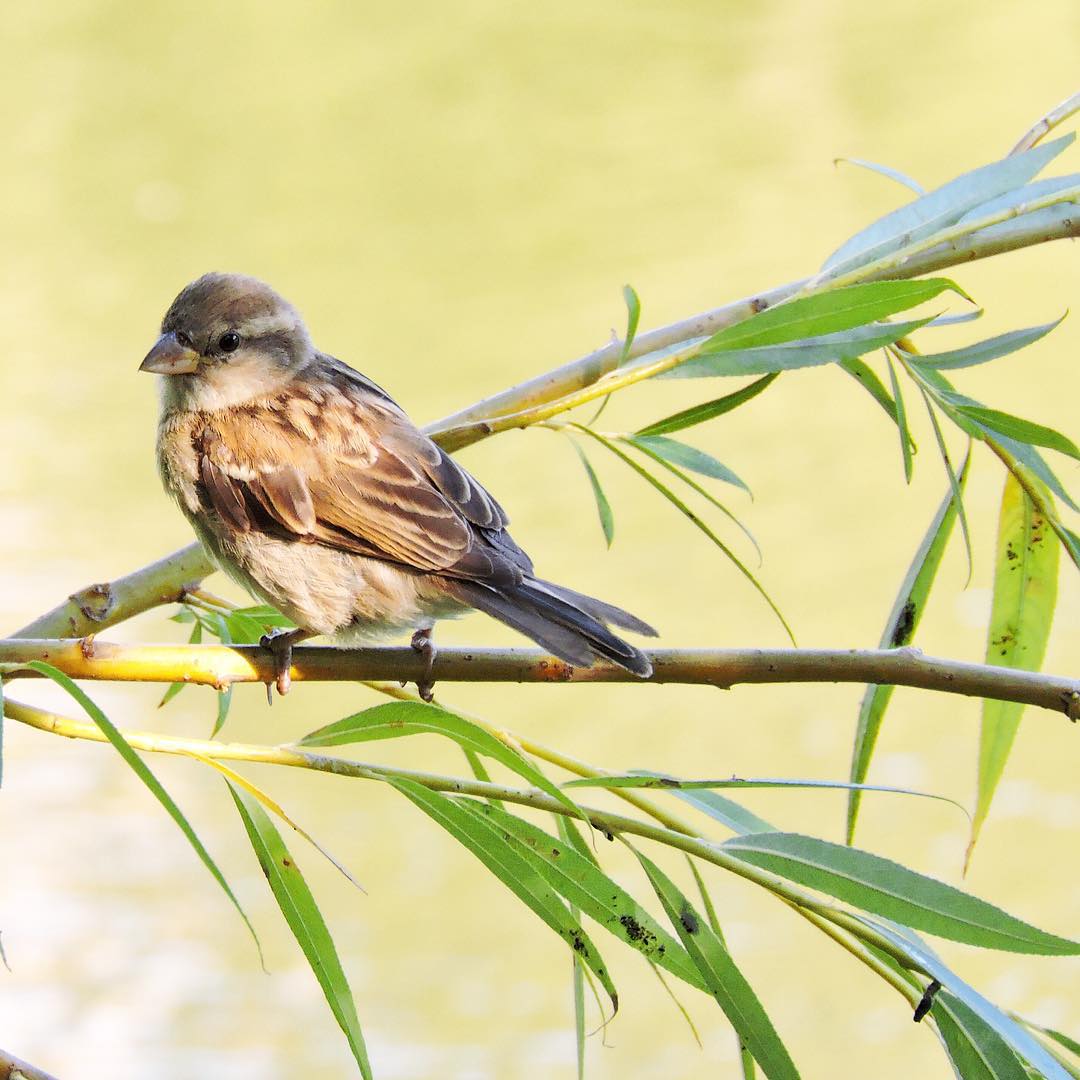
[{"x": 309, "y": 486}]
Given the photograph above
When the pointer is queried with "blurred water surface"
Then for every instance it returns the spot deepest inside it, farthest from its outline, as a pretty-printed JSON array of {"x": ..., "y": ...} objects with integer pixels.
[{"x": 454, "y": 197}]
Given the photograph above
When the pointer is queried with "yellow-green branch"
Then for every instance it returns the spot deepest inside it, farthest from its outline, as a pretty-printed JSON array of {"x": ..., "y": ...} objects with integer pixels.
[
  {"x": 221, "y": 666},
  {"x": 293, "y": 757}
]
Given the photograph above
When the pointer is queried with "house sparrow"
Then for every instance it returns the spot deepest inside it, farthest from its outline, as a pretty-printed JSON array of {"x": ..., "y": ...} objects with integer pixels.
[{"x": 309, "y": 486}]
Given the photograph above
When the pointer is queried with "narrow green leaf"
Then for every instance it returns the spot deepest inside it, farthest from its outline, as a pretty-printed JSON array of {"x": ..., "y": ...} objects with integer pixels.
[
  {"x": 678, "y": 1005},
  {"x": 1025, "y": 593},
  {"x": 810, "y": 351},
  {"x": 827, "y": 313},
  {"x": 984, "y": 351},
  {"x": 1026, "y": 194},
  {"x": 303, "y": 917},
  {"x": 1070, "y": 541},
  {"x": 709, "y": 410},
  {"x": 268, "y": 618},
  {"x": 704, "y": 492},
  {"x": 244, "y": 630},
  {"x": 746, "y": 1059},
  {"x": 569, "y": 835},
  {"x": 603, "y": 507},
  {"x": 957, "y": 493},
  {"x": 578, "y": 985},
  {"x": 142, "y": 771},
  {"x": 633, "y": 315},
  {"x": 724, "y": 980},
  {"x": 476, "y": 766},
  {"x": 521, "y": 872},
  {"x": 959, "y": 317},
  {"x": 866, "y": 377},
  {"x": 588, "y": 888},
  {"x": 568, "y": 831},
  {"x": 689, "y": 457},
  {"x": 1022, "y": 1041},
  {"x": 579, "y": 1014},
  {"x": 396, "y": 719},
  {"x": 671, "y": 783},
  {"x": 1018, "y": 454},
  {"x": 901, "y": 421},
  {"x": 899, "y": 630},
  {"x": 883, "y": 170},
  {"x": 224, "y": 697},
  {"x": 698, "y": 523},
  {"x": 884, "y": 887},
  {"x": 274, "y": 807},
  {"x": 1025, "y": 431},
  {"x": 942, "y": 207},
  {"x": 730, "y": 814},
  {"x": 194, "y": 639},
  {"x": 746, "y": 1062},
  {"x": 706, "y": 899},
  {"x": 977, "y": 1051},
  {"x": 1033, "y": 461},
  {"x": 1059, "y": 1037}
]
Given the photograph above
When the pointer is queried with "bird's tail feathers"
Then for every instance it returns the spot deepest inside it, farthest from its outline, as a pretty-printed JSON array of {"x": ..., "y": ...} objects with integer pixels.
[
  {"x": 606, "y": 613},
  {"x": 566, "y": 623}
]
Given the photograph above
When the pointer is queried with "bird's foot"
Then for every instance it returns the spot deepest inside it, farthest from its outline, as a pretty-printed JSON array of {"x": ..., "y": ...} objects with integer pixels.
[
  {"x": 422, "y": 643},
  {"x": 280, "y": 646}
]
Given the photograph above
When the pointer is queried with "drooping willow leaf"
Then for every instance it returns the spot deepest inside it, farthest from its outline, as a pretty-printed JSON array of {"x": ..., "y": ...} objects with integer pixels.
[
  {"x": 942, "y": 207},
  {"x": 1025, "y": 594}
]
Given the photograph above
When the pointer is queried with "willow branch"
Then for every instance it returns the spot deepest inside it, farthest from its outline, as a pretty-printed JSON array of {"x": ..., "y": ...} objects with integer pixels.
[
  {"x": 221, "y": 666},
  {"x": 12, "y": 1068},
  {"x": 1059, "y": 113},
  {"x": 469, "y": 425},
  {"x": 607, "y": 822},
  {"x": 105, "y": 604}
]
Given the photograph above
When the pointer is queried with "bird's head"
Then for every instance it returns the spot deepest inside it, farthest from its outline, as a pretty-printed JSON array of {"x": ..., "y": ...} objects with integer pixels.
[{"x": 227, "y": 339}]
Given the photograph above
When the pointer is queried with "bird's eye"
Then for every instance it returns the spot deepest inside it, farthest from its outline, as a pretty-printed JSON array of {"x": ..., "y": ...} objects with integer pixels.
[{"x": 229, "y": 342}]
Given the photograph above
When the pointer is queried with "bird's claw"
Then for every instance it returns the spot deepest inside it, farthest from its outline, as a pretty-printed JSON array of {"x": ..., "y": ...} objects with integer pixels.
[
  {"x": 280, "y": 647},
  {"x": 422, "y": 643}
]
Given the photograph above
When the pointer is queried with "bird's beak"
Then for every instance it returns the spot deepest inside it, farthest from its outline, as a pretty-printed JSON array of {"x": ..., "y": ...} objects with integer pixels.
[{"x": 169, "y": 357}]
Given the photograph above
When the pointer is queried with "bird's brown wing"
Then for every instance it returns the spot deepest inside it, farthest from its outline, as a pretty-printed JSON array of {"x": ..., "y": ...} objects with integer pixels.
[{"x": 334, "y": 461}]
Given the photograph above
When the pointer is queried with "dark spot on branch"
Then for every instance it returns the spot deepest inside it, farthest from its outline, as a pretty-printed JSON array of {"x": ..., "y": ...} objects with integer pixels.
[
  {"x": 95, "y": 601},
  {"x": 905, "y": 625},
  {"x": 926, "y": 1000},
  {"x": 1071, "y": 705},
  {"x": 758, "y": 304}
]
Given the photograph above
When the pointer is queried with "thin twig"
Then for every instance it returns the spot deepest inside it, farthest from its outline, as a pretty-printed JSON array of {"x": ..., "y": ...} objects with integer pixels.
[
  {"x": 222, "y": 665},
  {"x": 12, "y": 1068},
  {"x": 1058, "y": 114},
  {"x": 468, "y": 425}
]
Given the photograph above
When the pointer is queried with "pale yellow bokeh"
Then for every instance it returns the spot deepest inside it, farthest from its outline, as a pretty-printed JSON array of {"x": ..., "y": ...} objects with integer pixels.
[{"x": 454, "y": 195}]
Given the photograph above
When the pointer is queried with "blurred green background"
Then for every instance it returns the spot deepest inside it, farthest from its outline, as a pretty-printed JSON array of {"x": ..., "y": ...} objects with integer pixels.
[{"x": 454, "y": 197}]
